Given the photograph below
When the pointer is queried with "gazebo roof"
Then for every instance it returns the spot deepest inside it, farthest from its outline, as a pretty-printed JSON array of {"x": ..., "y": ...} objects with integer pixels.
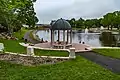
[{"x": 60, "y": 24}]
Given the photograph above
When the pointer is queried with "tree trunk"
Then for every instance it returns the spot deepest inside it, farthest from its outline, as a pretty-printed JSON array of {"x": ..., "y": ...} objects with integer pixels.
[
  {"x": 108, "y": 27},
  {"x": 20, "y": 31},
  {"x": 10, "y": 31},
  {"x": 29, "y": 26},
  {"x": 118, "y": 27},
  {"x": 111, "y": 27}
]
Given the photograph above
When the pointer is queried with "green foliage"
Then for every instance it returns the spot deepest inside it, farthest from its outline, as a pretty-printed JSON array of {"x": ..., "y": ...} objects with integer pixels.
[
  {"x": 72, "y": 22},
  {"x": 79, "y": 23},
  {"x": 15, "y": 13},
  {"x": 115, "y": 53}
]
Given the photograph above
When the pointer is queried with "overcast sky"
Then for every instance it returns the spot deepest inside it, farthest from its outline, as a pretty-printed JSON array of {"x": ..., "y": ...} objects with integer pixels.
[{"x": 48, "y": 10}]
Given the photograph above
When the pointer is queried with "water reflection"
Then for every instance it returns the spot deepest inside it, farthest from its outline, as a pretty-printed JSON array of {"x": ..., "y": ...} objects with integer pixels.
[
  {"x": 108, "y": 39},
  {"x": 92, "y": 39}
]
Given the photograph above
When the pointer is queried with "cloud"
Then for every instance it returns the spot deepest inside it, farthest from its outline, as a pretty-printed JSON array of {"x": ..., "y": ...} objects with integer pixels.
[{"x": 48, "y": 10}]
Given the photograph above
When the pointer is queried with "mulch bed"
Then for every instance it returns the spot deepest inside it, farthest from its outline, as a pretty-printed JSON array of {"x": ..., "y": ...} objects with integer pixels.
[{"x": 29, "y": 60}]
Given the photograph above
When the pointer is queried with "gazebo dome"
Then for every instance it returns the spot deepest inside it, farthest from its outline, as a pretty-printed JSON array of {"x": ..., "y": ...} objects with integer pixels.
[{"x": 60, "y": 24}]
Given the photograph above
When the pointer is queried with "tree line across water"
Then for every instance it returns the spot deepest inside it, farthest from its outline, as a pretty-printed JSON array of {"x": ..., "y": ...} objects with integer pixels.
[
  {"x": 15, "y": 13},
  {"x": 109, "y": 21}
]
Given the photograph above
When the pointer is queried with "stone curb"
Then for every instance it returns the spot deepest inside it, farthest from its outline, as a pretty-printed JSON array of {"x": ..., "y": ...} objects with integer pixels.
[
  {"x": 38, "y": 56},
  {"x": 105, "y": 47}
]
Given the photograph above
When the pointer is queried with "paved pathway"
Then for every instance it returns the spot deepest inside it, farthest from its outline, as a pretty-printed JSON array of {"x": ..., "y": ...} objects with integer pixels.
[
  {"x": 27, "y": 36},
  {"x": 107, "y": 62},
  {"x": 78, "y": 47}
]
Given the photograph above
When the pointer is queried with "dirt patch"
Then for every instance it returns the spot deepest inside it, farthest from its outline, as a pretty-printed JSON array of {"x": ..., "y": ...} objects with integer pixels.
[{"x": 29, "y": 60}]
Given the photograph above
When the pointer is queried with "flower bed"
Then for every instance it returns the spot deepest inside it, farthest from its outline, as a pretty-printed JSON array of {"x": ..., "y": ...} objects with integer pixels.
[{"x": 29, "y": 60}]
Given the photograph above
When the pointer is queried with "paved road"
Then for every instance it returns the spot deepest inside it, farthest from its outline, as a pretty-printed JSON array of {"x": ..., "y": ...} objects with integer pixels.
[{"x": 106, "y": 62}]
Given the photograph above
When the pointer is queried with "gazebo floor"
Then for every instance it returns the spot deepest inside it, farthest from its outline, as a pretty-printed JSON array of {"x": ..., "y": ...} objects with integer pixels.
[{"x": 78, "y": 47}]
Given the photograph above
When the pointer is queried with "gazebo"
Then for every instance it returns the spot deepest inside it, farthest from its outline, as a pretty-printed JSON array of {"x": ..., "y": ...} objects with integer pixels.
[{"x": 61, "y": 25}]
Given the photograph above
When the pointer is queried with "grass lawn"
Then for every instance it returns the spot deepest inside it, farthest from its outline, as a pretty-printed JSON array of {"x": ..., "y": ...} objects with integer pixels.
[
  {"x": 14, "y": 46},
  {"x": 20, "y": 34},
  {"x": 114, "y": 53},
  {"x": 78, "y": 69},
  {"x": 51, "y": 53}
]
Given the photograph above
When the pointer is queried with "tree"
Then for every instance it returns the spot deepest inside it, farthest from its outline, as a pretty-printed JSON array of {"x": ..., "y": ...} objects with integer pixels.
[
  {"x": 96, "y": 23},
  {"x": 108, "y": 20},
  {"x": 28, "y": 13},
  {"x": 88, "y": 23},
  {"x": 72, "y": 22},
  {"x": 116, "y": 21},
  {"x": 105, "y": 21},
  {"x": 79, "y": 23},
  {"x": 15, "y": 13}
]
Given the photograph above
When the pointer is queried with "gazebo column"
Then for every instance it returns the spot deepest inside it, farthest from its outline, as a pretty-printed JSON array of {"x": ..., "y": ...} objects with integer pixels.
[
  {"x": 58, "y": 35},
  {"x": 67, "y": 36},
  {"x": 70, "y": 36},
  {"x": 64, "y": 43},
  {"x": 52, "y": 37}
]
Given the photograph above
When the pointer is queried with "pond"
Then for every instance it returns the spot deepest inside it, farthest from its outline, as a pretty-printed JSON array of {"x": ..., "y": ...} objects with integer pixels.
[{"x": 92, "y": 39}]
